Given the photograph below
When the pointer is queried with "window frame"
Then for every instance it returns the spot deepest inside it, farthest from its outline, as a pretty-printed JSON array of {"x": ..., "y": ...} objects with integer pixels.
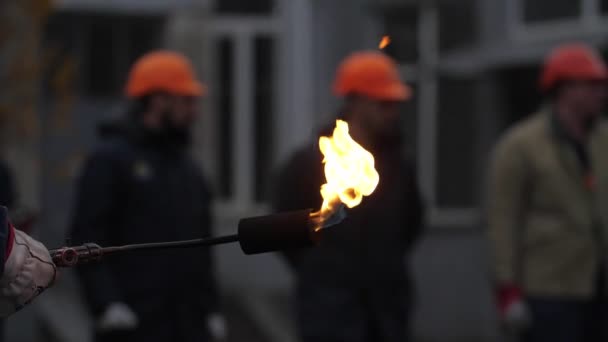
[
  {"x": 290, "y": 27},
  {"x": 590, "y": 21},
  {"x": 425, "y": 73},
  {"x": 242, "y": 32}
]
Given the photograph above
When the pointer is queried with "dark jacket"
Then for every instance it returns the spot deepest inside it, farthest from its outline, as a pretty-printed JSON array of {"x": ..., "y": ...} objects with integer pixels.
[
  {"x": 137, "y": 188},
  {"x": 354, "y": 286}
]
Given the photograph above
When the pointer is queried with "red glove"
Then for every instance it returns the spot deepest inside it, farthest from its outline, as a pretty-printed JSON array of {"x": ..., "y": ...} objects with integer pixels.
[
  {"x": 514, "y": 313},
  {"x": 507, "y": 295}
]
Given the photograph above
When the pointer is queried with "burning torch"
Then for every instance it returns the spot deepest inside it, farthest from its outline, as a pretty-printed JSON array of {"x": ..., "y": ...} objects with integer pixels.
[{"x": 350, "y": 175}]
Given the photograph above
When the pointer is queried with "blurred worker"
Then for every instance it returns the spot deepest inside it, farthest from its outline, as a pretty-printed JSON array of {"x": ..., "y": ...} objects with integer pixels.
[
  {"x": 354, "y": 287},
  {"x": 140, "y": 186},
  {"x": 548, "y": 192},
  {"x": 26, "y": 268}
]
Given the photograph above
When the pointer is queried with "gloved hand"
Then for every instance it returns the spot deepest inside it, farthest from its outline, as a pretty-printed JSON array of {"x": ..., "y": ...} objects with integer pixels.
[
  {"x": 217, "y": 326},
  {"x": 117, "y": 316},
  {"x": 28, "y": 271},
  {"x": 514, "y": 312}
]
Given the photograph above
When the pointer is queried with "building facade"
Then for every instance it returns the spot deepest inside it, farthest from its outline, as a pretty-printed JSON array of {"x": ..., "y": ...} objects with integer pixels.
[{"x": 473, "y": 65}]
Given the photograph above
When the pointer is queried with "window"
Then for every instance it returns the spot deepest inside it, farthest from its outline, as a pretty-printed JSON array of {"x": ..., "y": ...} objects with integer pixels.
[
  {"x": 457, "y": 25},
  {"x": 456, "y": 144},
  {"x": 401, "y": 23},
  {"x": 244, "y": 7},
  {"x": 264, "y": 87},
  {"x": 144, "y": 34},
  {"x": 100, "y": 66},
  {"x": 439, "y": 122},
  {"x": 522, "y": 96},
  {"x": 105, "y": 46},
  {"x": 547, "y": 10},
  {"x": 61, "y": 43},
  {"x": 547, "y": 20},
  {"x": 225, "y": 58},
  {"x": 245, "y": 64},
  {"x": 604, "y": 7},
  {"x": 409, "y": 123}
]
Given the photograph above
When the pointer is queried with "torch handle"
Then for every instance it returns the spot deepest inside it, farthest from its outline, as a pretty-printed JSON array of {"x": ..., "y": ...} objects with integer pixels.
[
  {"x": 287, "y": 230},
  {"x": 90, "y": 252},
  {"x": 175, "y": 244},
  {"x": 76, "y": 255}
]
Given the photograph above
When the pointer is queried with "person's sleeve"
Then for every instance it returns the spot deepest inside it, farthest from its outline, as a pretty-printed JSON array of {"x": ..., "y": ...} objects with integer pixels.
[
  {"x": 414, "y": 206},
  {"x": 507, "y": 181},
  {"x": 97, "y": 209}
]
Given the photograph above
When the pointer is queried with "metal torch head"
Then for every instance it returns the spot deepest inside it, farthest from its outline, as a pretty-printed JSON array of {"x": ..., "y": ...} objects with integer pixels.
[{"x": 282, "y": 231}]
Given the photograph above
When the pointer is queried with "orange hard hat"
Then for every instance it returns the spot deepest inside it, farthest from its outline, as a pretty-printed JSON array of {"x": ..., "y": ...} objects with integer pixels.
[
  {"x": 372, "y": 74},
  {"x": 575, "y": 61},
  {"x": 164, "y": 71}
]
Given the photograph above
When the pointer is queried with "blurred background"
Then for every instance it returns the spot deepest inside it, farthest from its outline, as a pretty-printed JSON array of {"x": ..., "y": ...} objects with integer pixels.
[{"x": 269, "y": 66}]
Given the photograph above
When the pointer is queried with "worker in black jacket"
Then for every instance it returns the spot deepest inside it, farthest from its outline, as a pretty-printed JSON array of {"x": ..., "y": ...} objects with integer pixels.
[
  {"x": 141, "y": 186},
  {"x": 354, "y": 286}
]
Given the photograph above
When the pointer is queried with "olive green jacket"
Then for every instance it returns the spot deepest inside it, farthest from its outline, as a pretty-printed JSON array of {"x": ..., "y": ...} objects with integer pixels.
[{"x": 546, "y": 227}]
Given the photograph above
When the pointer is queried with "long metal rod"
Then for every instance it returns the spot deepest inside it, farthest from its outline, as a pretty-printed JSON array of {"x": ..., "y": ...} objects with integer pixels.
[
  {"x": 89, "y": 252},
  {"x": 174, "y": 244}
]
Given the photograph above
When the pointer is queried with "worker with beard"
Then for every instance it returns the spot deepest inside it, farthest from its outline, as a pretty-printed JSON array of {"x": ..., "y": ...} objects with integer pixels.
[
  {"x": 140, "y": 185},
  {"x": 546, "y": 209},
  {"x": 354, "y": 287}
]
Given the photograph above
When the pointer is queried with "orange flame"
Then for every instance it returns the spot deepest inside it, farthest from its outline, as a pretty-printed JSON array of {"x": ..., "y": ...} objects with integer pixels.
[
  {"x": 384, "y": 42},
  {"x": 349, "y": 171}
]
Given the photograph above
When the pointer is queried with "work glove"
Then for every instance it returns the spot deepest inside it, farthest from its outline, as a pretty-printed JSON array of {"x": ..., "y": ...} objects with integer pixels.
[
  {"x": 217, "y": 326},
  {"x": 514, "y": 312},
  {"x": 28, "y": 271},
  {"x": 117, "y": 316}
]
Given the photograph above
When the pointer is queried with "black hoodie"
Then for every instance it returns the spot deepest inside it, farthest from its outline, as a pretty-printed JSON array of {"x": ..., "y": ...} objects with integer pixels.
[
  {"x": 357, "y": 278},
  {"x": 136, "y": 187}
]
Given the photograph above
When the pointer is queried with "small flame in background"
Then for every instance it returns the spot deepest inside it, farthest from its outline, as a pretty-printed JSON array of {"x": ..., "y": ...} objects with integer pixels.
[
  {"x": 349, "y": 172},
  {"x": 386, "y": 40}
]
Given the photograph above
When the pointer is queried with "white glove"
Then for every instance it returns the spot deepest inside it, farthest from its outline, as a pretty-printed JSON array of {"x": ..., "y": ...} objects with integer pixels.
[
  {"x": 117, "y": 316},
  {"x": 217, "y": 326},
  {"x": 28, "y": 271},
  {"x": 517, "y": 317}
]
